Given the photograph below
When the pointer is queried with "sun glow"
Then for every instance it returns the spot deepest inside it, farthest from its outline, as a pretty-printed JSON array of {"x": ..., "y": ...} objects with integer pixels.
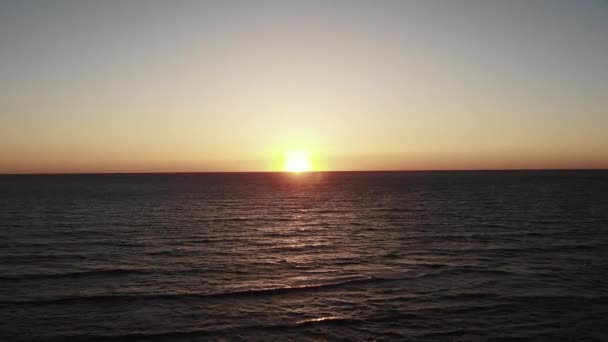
[{"x": 297, "y": 161}]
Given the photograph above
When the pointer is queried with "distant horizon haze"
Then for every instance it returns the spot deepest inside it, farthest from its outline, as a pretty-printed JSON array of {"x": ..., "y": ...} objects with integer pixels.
[{"x": 311, "y": 172}]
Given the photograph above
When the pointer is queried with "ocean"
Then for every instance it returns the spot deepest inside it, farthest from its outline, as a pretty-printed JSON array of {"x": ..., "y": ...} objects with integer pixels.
[{"x": 337, "y": 256}]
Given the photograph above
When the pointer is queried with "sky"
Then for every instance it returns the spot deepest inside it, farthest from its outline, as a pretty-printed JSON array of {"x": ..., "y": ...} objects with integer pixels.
[{"x": 186, "y": 86}]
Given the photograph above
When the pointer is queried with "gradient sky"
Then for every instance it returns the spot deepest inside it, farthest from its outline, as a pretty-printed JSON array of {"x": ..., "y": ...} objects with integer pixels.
[{"x": 132, "y": 86}]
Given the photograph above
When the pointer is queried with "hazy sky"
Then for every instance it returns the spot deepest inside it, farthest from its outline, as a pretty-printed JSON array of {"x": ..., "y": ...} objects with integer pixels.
[{"x": 106, "y": 86}]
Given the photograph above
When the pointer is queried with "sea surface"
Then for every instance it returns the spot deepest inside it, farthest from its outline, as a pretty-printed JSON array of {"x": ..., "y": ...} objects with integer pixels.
[{"x": 344, "y": 256}]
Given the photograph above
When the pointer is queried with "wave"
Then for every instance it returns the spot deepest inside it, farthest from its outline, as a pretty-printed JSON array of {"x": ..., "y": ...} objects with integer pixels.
[
  {"x": 227, "y": 331},
  {"x": 83, "y": 274},
  {"x": 462, "y": 270},
  {"x": 535, "y": 249},
  {"x": 397, "y": 210},
  {"x": 22, "y": 258},
  {"x": 171, "y": 252},
  {"x": 232, "y": 294},
  {"x": 328, "y": 319},
  {"x": 57, "y": 242}
]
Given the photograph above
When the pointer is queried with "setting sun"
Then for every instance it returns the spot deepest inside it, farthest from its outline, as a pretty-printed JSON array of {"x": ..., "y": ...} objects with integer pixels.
[{"x": 297, "y": 161}]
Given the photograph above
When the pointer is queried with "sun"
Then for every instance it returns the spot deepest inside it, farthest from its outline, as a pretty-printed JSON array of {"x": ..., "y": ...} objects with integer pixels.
[{"x": 297, "y": 161}]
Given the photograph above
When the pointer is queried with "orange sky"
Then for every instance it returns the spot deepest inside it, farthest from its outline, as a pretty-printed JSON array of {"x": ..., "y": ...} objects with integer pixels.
[{"x": 116, "y": 87}]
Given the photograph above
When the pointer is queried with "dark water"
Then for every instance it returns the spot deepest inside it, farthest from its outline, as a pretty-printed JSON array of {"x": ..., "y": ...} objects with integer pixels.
[{"x": 453, "y": 256}]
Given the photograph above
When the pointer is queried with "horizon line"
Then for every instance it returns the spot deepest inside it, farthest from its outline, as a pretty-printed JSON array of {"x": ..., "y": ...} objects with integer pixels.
[{"x": 289, "y": 172}]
